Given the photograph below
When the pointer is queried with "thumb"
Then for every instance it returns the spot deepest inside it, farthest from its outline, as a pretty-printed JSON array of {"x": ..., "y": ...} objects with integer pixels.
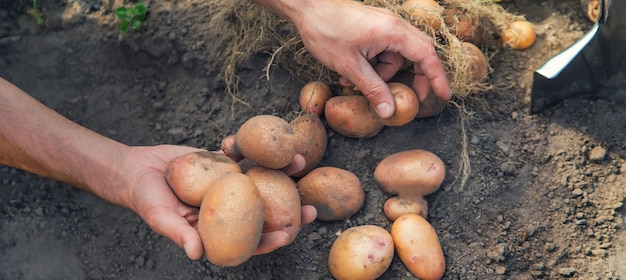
[{"x": 177, "y": 229}]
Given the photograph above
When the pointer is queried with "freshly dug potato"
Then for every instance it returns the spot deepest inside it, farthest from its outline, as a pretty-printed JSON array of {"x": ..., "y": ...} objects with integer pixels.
[
  {"x": 352, "y": 116},
  {"x": 418, "y": 247},
  {"x": 478, "y": 65},
  {"x": 361, "y": 252},
  {"x": 191, "y": 174},
  {"x": 230, "y": 221},
  {"x": 410, "y": 173},
  {"x": 229, "y": 148},
  {"x": 426, "y": 12},
  {"x": 407, "y": 105},
  {"x": 397, "y": 206},
  {"x": 431, "y": 106},
  {"x": 336, "y": 193},
  {"x": 311, "y": 141},
  {"x": 462, "y": 25},
  {"x": 267, "y": 140},
  {"x": 518, "y": 35},
  {"x": 313, "y": 97},
  {"x": 281, "y": 201}
]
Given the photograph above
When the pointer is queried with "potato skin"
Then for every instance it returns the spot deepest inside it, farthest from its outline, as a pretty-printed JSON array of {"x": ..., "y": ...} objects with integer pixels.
[
  {"x": 397, "y": 206},
  {"x": 281, "y": 201},
  {"x": 478, "y": 65},
  {"x": 191, "y": 174},
  {"x": 267, "y": 140},
  {"x": 336, "y": 193},
  {"x": 352, "y": 116},
  {"x": 311, "y": 141},
  {"x": 431, "y": 106},
  {"x": 230, "y": 221},
  {"x": 313, "y": 97},
  {"x": 411, "y": 172},
  {"x": 417, "y": 245},
  {"x": 361, "y": 252},
  {"x": 407, "y": 105}
]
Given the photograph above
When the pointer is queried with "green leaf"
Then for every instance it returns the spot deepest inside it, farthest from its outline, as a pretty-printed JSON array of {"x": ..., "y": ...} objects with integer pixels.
[
  {"x": 140, "y": 9},
  {"x": 136, "y": 24},
  {"x": 121, "y": 12},
  {"x": 124, "y": 26}
]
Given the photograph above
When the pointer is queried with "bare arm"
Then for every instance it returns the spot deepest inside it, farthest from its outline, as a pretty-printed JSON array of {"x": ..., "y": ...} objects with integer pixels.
[{"x": 37, "y": 139}]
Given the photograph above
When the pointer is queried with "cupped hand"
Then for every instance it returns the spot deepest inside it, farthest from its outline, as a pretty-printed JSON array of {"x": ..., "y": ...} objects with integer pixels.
[
  {"x": 148, "y": 194},
  {"x": 367, "y": 46}
]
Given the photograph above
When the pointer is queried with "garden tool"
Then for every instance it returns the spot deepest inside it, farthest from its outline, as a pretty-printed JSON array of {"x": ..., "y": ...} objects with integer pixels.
[{"x": 594, "y": 65}]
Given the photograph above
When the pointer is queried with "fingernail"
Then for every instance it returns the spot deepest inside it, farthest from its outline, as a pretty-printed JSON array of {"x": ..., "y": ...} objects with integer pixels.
[{"x": 384, "y": 110}]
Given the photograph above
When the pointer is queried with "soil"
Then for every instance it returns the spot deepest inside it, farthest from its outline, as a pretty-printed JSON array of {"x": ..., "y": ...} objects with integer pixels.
[{"x": 544, "y": 199}]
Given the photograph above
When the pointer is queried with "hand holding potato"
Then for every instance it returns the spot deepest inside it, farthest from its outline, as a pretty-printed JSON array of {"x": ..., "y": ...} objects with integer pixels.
[
  {"x": 368, "y": 49},
  {"x": 144, "y": 190}
]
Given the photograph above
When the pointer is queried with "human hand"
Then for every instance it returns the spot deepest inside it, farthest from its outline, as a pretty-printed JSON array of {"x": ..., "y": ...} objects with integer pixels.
[
  {"x": 151, "y": 198},
  {"x": 367, "y": 46}
]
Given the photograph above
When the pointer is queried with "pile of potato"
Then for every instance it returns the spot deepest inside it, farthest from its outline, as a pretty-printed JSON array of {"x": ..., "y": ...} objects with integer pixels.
[{"x": 242, "y": 192}]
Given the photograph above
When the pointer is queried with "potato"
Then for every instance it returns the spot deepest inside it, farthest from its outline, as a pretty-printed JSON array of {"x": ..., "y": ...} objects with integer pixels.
[
  {"x": 281, "y": 201},
  {"x": 478, "y": 65},
  {"x": 426, "y": 12},
  {"x": 313, "y": 97},
  {"x": 191, "y": 174},
  {"x": 397, "y": 206},
  {"x": 462, "y": 25},
  {"x": 418, "y": 247},
  {"x": 431, "y": 106},
  {"x": 352, "y": 116},
  {"x": 411, "y": 172},
  {"x": 407, "y": 105},
  {"x": 229, "y": 148},
  {"x": 230, "y": 220},
  {"x": 311, "y": 140},
  {"x": 267, "y": 140},
  {"x": 361, "y": 252},
  {"x": 335, "y": 193}
]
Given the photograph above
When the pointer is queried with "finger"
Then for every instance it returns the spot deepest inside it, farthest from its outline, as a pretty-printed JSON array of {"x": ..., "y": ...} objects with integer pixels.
[
  {"x": 298, "y": 163},
  {"x": 308, "y": 214},
  {"x": 388, "y": 64},
  {"x": 421, "y": 85},
  {"x": 171, "y": 225},
  {"x": 271, "y": 241},
  {"x": 419, "y": 48},
  {"x": 373, "y": 88}
]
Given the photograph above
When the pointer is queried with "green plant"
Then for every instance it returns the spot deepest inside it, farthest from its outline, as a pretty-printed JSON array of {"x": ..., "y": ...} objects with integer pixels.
[
  {"x": 131, "y": 17},
  {"x": 34, "y": 11}
]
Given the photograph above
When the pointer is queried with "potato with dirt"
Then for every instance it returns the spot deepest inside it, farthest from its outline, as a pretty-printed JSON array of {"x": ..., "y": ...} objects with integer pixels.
[
  {"x": 397, "y": 206},
  {"x": 407, "y": 105},
  {"x": 336, "y": 193},
  {"x": 411, "y": 172},
  {"x": 311, "y": 141},
  {"x": 230, "y": 221},
  {"x": 191, "y": 174},
  {"x": 352, "y": 116},
  {"x": 281, "y": 201},
  {"x": 313, "y": 97},
  {"x": 361, "y": 252},
  {"x": 476, "y": 61},
  {"x": 267, "y": 140},
  {"x": 417, "y": 245}
]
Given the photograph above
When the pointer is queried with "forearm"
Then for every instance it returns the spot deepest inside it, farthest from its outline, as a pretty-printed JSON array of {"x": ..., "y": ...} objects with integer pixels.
[{"x": 38, "y": 140}]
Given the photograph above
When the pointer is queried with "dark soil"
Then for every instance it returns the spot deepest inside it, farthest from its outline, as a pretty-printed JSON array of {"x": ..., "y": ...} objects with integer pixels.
[{"x": 544, "y": 199}]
